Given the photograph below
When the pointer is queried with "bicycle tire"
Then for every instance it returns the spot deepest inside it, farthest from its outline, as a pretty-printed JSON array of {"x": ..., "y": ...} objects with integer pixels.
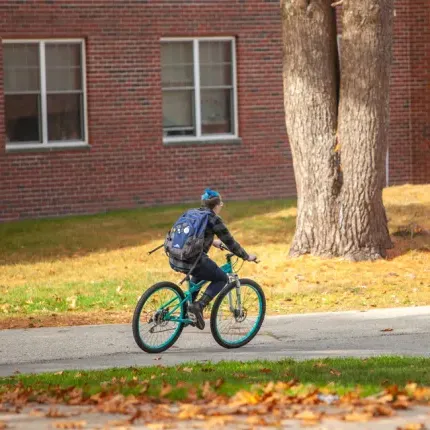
[
  {"x": 213, "y": 320},
  {"x": 138, "y": 311}
]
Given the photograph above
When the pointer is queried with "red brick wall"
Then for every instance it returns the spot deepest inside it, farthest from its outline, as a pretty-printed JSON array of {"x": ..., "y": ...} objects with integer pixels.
[
  {"x": 420, "y": 89},
  {"x": 128, "y": 165},
  {"x": 400, "y": 153}
]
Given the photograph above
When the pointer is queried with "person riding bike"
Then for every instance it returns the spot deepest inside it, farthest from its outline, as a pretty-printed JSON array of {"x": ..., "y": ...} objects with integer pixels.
[{"x": 206, "y": 269}]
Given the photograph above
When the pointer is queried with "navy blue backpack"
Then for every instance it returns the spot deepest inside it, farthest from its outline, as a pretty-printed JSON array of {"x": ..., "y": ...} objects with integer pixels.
[{"x": 185, "y": 239}]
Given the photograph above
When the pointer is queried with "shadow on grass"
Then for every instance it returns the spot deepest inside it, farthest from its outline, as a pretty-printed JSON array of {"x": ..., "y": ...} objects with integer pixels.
[
  {"x": 261, "y": 221},
  {"x": 409, "y": 228},
  {"x": 54, "y": 239}
]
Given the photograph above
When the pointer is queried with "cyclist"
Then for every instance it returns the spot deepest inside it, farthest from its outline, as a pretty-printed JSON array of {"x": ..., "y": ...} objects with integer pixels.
[{"x": 206, "y": 269}]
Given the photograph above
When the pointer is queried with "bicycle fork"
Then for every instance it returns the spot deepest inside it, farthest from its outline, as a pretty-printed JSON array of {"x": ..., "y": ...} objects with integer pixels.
[{"x": 235, "y": 310}]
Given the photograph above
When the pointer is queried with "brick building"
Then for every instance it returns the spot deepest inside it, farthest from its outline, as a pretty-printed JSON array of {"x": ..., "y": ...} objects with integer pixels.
[{"x": 123, "y": 103}]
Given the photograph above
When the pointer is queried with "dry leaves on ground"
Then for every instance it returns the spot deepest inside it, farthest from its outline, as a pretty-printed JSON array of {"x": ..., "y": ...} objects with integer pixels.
[
  {"x": 265, "y": 404},
  {"x": 413, "y": 426},
  {"x": 70, "y": 425}
]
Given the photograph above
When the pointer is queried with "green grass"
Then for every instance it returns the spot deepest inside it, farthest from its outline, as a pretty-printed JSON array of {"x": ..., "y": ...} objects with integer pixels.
[
  {"x": 338, "y": 375},
  {"x": 92, "y": 269}
]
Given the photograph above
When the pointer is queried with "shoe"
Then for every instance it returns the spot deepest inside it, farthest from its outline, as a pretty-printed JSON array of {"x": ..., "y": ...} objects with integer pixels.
[{"x": 196, "y": 309}]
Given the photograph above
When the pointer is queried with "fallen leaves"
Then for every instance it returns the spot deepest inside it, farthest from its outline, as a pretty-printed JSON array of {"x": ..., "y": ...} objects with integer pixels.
[
  {"x": 359, "y": 417},
  {"x": 413, "y": 426},
  {"x": 309, "y": 417},
  {"x": 3, "y": 425},
  {"x": 387, "y": 330},
  {"x": 70, "y": 425},
  {"x": 266, "y": 404}
]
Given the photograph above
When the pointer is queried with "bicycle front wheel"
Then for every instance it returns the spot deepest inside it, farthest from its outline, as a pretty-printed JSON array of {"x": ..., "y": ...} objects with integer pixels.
[
  {"x": 237, "y": 315},
  {"x": 155, "y": 325}
]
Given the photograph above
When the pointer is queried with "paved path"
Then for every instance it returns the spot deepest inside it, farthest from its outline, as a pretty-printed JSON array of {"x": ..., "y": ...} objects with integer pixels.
[{"x": 353, "y": 334}]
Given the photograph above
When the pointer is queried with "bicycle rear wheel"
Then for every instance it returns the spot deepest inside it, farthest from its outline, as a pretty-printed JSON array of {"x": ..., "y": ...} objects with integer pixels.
[
  {"x": 153, "y": 329},
  {"x": 237, "y": 318}
]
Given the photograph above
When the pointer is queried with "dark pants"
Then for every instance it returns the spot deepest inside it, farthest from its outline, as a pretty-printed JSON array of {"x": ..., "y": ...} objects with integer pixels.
[{"x": 208, "y": 270}]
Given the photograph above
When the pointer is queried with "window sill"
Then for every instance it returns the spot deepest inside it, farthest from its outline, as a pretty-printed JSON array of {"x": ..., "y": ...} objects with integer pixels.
[
  {"x": 203, "y": 142},
  {"x": 40, "y": 147}
]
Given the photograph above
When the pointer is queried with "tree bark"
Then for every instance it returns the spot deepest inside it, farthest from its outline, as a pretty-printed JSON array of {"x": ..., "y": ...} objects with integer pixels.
[
  {"x": 363, "y": 126},
  {"x": 310, "y": 98},
  {"x": 338, "y": 160}
]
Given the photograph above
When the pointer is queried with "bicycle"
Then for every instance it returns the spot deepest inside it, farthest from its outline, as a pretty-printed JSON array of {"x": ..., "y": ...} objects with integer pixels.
[{"x": 242, "y": 301}]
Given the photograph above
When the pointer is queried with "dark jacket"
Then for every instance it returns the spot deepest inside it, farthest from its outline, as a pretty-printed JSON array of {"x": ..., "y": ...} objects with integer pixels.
[{"x": 215, "y": 227}]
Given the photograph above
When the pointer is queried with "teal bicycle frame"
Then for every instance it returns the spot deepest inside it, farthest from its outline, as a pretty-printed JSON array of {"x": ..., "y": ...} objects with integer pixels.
[{"x": 192, "y": 288}]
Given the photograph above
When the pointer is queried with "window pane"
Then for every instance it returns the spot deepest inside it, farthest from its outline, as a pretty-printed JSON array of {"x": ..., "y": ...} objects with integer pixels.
[
  {"x": 178, "y": 113},
  {"x": 21, "y": 67},
  {"x": 177, "y": 52},
  {"x": 217, "y": 111},
  {"x": 65, "y": 114},
  {"x": 215, "y": 64},
  {"x": 215, "y": 75},
  {"x": 22, "y": 117},
  {"x": 63, "y": 66},
  {"x": 177, "y": 64}
]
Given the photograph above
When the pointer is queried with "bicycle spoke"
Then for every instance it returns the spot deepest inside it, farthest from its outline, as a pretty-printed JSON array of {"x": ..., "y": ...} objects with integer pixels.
[
  {"x": 154, "y": 327},
  {"x": 236, "y": 326}
]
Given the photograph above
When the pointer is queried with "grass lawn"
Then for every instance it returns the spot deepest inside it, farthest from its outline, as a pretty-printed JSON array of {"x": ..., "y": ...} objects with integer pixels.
[
  {"x": 227, "y": 378},
  {"x": 92, "y": 269}
]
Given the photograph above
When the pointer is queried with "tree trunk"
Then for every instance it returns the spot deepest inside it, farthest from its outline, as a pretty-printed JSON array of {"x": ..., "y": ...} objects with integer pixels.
[
  {"x": 339, "y": 182},
  {"x": 310, "y": 96},
  {"x": 363, "y": 126}
]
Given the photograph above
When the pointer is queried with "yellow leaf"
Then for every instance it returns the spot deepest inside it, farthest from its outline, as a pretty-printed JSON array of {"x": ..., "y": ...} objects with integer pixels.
[
  {"x": 413, "y": 426},
  {"x": 72, "y": 302},
  {"x": 189, "y": 411},
  {"x": 187, "y": 369},
  {"x": 357, "y": 417},
  {"x": 157, "y": 426},
  {"x": 70, "y": 425},
  {"x": 245, "y": 398},
  {"x": 308, "y": 416}
]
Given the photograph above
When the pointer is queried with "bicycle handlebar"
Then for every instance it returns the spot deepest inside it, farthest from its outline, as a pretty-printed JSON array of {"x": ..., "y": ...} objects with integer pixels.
[{"x": 224, "y": 248}]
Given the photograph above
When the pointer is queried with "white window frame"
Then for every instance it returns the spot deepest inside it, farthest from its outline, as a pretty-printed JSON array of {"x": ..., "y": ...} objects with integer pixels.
[
  {"x": 197, "y": 89},
  {"x": 43, "y": 94}
]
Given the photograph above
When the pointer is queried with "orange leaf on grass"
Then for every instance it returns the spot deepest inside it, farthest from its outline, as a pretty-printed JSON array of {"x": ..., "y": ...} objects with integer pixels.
[{"x": 165, "y": 390}]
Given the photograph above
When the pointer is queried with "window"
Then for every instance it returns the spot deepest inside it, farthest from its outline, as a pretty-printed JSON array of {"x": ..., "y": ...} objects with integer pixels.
[
  {"x": 199, "y": 88},
  {"x": 44, "y": 89}
]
